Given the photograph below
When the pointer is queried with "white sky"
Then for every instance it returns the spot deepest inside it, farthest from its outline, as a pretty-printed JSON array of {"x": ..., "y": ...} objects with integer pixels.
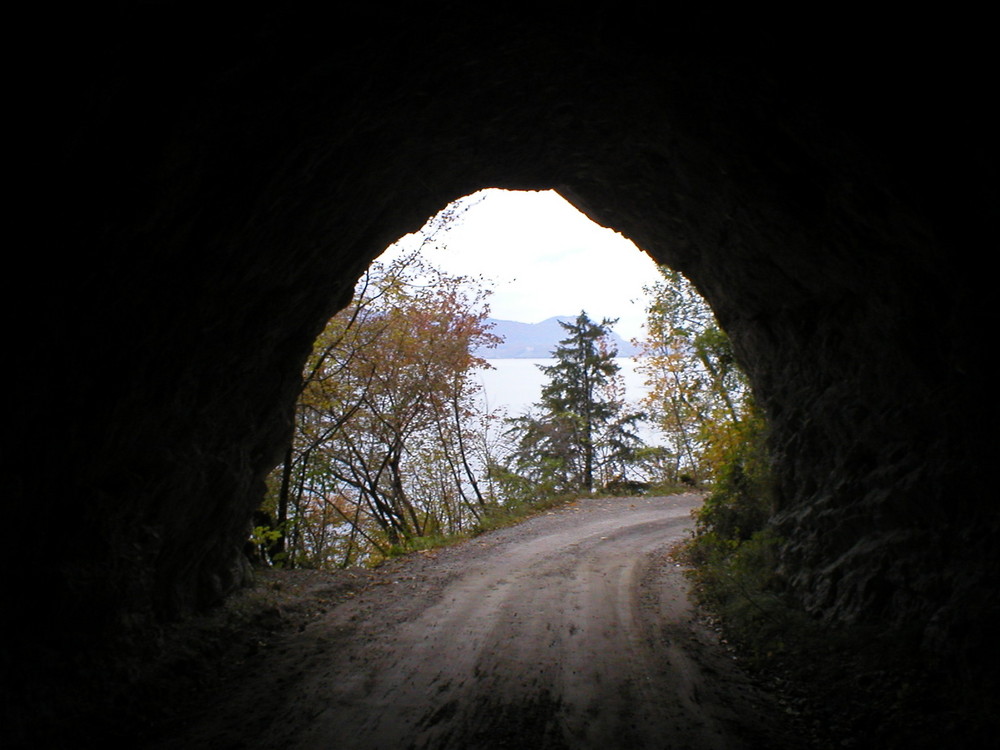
[{"x": 545, "y": 259}]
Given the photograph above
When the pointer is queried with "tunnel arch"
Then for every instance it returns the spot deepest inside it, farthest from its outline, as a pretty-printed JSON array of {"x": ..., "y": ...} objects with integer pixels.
[{"x": 227, "y": 193}]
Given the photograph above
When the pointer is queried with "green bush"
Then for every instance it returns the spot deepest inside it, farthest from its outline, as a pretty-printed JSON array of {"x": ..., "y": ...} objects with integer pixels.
[
  {"x": 740, "y": 503},
  {"x": 732, "y": 554}
]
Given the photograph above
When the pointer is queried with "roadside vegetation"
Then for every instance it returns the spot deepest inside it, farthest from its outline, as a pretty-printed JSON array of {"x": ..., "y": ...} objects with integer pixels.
[{"x": 855, "y": 686}]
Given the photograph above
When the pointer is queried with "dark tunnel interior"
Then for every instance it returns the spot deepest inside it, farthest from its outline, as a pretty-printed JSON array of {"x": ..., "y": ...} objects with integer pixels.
[{"x": 202, "y": 193}]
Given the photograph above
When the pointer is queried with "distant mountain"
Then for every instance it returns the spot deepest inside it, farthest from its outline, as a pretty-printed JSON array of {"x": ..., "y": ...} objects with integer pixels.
[{"x": 537, "y": 340}]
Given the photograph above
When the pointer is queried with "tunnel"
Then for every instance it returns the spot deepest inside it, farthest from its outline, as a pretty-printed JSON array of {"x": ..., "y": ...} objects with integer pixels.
[{"x": 203, "y": 189}]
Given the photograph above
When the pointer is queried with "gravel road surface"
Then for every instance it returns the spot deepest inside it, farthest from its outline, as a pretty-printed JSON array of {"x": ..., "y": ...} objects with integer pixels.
[{"x": 571, "y": 630}]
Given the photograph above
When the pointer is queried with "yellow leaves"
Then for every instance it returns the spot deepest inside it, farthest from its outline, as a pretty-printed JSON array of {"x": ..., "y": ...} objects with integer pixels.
[{"x": 386, "y": 399}]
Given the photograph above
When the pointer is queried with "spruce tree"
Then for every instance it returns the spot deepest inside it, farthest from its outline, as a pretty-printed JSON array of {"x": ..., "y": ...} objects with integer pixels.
[{"x": 579, "y": 423}]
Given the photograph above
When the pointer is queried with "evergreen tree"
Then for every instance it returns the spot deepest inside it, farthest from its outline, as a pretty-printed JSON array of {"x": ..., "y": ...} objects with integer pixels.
[{"x": 580, "y": 429}]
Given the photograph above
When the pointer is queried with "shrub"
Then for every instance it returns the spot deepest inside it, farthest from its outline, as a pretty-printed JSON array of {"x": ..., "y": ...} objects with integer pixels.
[{"x": 740, "y": 503}]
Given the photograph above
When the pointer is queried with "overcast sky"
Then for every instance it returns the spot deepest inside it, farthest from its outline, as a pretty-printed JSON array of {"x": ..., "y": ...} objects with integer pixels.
[{"x": 546, "y": 259}]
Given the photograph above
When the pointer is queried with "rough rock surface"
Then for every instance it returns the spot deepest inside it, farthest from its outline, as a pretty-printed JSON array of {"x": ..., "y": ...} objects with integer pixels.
[{"x": 205, "y": 189}]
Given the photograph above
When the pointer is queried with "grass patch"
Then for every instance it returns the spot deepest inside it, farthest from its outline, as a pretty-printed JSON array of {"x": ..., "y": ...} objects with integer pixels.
[
  {"x": 498, "y": 517},
  {"x": 492, "y": 518}
]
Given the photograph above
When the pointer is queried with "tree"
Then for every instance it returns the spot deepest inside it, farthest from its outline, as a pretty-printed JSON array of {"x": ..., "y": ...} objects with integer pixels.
[
  {"x": 580, "y": 429},
  {"x": 385, "y": 421},
  {"x": 697, "y": 392}
]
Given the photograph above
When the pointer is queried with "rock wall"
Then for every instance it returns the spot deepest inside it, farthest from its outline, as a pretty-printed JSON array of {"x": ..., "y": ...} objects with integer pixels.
[{"x": 209, "y": 189}]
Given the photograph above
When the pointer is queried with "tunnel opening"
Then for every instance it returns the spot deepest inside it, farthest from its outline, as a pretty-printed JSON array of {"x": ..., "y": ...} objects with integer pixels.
[{"x": 476, "y": 303}]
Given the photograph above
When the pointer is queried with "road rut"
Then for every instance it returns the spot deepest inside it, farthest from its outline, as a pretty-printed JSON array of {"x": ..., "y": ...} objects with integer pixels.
[{"x": 571, "y": 630}]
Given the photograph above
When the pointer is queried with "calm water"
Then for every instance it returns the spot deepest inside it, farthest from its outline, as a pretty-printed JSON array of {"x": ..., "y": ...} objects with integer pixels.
[{"x": 515, "y": 384}]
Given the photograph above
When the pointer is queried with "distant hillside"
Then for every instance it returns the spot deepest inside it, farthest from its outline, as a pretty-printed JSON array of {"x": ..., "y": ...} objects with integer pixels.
[{"x": 536, "y": 340}]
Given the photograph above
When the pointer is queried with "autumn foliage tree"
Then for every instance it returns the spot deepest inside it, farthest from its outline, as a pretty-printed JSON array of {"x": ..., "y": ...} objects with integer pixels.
[
  {"x": 386, "y": 426},
  {"x": 697, "y": 395}
]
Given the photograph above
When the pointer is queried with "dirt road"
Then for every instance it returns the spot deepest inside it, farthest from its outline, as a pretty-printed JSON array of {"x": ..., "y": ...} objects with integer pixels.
[{"x": 572, "y": 630}]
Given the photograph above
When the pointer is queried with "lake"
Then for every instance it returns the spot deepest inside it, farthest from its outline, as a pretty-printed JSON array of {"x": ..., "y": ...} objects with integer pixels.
[{"x": 516, "y": 384}]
